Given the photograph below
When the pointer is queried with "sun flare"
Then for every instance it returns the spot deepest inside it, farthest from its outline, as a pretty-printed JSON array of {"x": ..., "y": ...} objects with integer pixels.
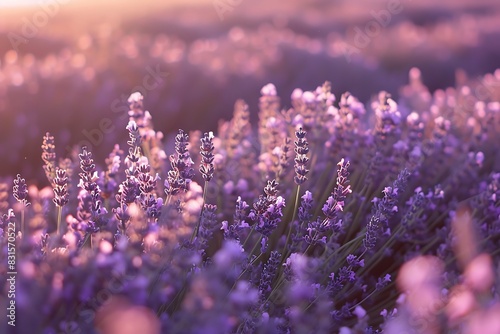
[{"x": 18, "y": 3}]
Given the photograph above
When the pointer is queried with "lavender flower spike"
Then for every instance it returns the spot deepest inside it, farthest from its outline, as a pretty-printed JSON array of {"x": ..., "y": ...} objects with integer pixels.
[
  {"x": 207, "y": 156},
  {"x": 20, "y": 190},
  {"x": 336, "y": 201},
  {"x": 61, "y": 197},
  {"x": 301, "y": 159}
]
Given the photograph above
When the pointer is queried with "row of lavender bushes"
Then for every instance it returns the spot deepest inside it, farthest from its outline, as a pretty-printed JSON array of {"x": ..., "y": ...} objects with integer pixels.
[
  {"x": 89, "y": 72},
  {"x": 299, "y": 224}
]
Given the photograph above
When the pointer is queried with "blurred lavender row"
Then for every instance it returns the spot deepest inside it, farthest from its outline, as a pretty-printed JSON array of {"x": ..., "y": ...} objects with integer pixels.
[{"x": 67, "y": 80}]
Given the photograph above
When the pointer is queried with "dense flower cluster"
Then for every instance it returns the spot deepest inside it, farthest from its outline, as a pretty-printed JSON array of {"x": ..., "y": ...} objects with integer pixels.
[{"x": 248, "y": 246}]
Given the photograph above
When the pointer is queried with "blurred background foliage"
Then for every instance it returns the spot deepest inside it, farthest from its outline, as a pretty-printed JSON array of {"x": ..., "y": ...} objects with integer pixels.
[{"x": 77, "y": 67}]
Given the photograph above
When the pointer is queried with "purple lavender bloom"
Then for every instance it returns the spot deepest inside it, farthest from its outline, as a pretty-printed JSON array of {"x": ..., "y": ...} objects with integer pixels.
[
  {"x": 137, "y": 113},
  {"x": 233, "y": 231},
  {"x": 61, "y": 188},
  {"x": 207, "y": 156},
  {"x": 353, "y": 261},
  {"x": 49, "y": 156},
  {"x": 336, "y": 201},
  {"x": 179, "y": 177},
  {"x": 268, "y": 274},
  {"x": 241, "y": 214},
  {"x": 304, "y": 211},
  {"x": 151, "y": 205},
  {"x": 384, "y": 209},
  {"x": 301, "y": 159},
  {"x": 372, "y": 232},
  {"x": 284, "y": 160},
  {"x": 417, "y": 202},
  {"x": 315, "y": 232},
  {"x": 208, "y": 225},
  {"x": 88, "y": 167},
  {"x": 382, "y": 282},
  {"x": 108, "y": 180},
  {"x": 388, "y": 118},
  {"x": 230, "y": 255},
  {"x": 88, "y": 179},
  {"x": 147, "y": 182},
  {"x": 20, "y": 190},
  {"x": 84, "y": 209},
  {"x": 134, "y": 151},
  {"x": 267, "y": 211},
  {"x": 6, "y": 218}
]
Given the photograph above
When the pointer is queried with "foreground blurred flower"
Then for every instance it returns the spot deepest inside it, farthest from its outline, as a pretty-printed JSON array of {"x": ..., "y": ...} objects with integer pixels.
[{"x": 119, "y": 316}]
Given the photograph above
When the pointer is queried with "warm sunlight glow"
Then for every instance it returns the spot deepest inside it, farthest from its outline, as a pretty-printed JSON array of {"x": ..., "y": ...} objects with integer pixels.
[{"x": 18, "y": 3}]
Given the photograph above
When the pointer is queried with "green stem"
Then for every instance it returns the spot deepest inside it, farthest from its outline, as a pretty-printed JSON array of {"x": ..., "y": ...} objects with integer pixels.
[
  {"x": 59, "y": 215},
  {"x": 290, "y": 224},
  {"x": 243, "y": 272},
  {"x": 255, "y": 246},
  {"x": 85, "y": 240},
  {"x": 248, "y": 236},
  {"x": 22, "y": 221},
  {"x": 197, "y": 227},
  {"x": 325, "y": 193}
]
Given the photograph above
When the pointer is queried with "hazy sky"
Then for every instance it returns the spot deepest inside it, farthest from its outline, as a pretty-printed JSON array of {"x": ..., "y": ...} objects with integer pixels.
[
  {"x": 20, "y": 3},
  {"x": 17, "y": 3}
]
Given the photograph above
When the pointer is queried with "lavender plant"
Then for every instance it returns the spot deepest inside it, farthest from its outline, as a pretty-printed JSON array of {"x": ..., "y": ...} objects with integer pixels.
[
  {"x": 61, "y": 196},
  {"x": 244, "y": 246},
  {"x": 20, "y": 193}
]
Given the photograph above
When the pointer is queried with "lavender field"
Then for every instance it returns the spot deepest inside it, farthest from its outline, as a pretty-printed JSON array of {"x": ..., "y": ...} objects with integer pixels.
[{"x": 228, "y": 166}]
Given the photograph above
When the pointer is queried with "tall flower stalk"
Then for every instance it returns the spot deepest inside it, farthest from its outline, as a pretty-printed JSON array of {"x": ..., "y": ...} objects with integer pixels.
[
  {"x": 90, "y": 195},
  {"x": 207, "y": 171},
  {"x": 20, "y": 192},
  {"x": 61, "y": 196},
  {"x": 181, "y": 173},
  {"x": 49, "y": 157},
  {"x": 301, "y": 169}
]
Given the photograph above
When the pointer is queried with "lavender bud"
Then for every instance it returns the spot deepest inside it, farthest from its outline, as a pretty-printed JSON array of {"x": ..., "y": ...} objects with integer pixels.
[
  {"x": 207, "y": 156},
  {"x": 301, "y": 159},
  {"x": 20, "y": 190},
  {"x": 49, "y": 156},
  {"x": 61, "y": 197}
]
